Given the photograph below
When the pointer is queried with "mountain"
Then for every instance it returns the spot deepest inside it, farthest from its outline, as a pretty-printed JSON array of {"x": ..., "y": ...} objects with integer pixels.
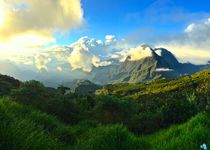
[
  {"x": 152, "y": 64},
  {"x": 82, "y": 86}
]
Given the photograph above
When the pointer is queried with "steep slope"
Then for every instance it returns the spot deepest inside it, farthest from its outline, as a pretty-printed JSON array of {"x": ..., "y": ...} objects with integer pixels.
[{"x": 103, "y": 74}]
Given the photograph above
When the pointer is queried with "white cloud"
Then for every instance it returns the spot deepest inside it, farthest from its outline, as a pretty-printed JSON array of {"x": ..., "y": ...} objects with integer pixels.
[
  {"x": 83, "y": 54},
  {"x": 190, "y": 28},
  {"x": 41, "y": 61},
  {"x": 110, "y": 39},
  {"x": 86, "y": 53},
  {"x": 135, "y": 53},
  {"x": 59, "y": 68},
  {"x": 193, "y": 45},
  {"x": 163, "y": 69},
  {"x": 32, "y": 23}
]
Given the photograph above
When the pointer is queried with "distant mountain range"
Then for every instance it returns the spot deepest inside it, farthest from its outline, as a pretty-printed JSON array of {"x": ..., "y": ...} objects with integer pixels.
[{"x": 158, "y": 63}]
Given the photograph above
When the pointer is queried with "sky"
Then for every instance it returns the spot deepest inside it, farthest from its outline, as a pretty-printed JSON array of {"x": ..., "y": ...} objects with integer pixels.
[{"x": 59, "y": 36}]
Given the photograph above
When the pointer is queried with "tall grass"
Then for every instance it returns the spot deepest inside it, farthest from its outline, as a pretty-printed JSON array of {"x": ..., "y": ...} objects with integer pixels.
[
  {"x": 22, "y": 127},
  {"x": 188, "y": 136}
]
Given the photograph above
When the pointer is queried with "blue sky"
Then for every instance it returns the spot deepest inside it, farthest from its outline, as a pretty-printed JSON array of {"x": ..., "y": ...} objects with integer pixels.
[{"x": 124, "y": 18}]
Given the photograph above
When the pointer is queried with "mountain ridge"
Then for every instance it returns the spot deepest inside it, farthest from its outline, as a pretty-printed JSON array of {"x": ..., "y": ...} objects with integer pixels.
[{"x": 160, "y": 64}]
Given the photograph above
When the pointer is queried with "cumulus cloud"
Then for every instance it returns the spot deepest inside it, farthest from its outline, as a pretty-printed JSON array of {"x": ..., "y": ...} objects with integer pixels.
[
  {"x": 35, "y": 21},
  {"x": 83, "y": 54},
  {"x": 192, "y": 45},
  {"x": 41, "y": 62},
  {"x": 86, "y": 54},
  {"x": 134, "y": 54}
]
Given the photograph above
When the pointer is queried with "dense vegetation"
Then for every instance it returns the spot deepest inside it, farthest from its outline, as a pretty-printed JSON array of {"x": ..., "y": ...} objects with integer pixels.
[{"x": 119, "y": 116}]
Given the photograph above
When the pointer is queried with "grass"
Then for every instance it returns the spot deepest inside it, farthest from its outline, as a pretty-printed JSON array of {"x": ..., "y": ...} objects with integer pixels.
[
  {"x": 23, "y": 127},
  {"x": 188, "y": 136}
]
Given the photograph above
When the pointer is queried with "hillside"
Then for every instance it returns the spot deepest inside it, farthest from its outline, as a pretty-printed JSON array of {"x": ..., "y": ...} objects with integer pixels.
[
  {"x": 188, "y": 136},
  {"x": 160, "y": 114},
  {"x": 37, "y": 130},
  {"x": 161, "y": 86}
]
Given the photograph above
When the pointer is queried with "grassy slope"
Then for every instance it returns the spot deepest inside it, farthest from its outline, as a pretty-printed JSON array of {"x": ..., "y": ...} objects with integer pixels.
[
  {"x": 25, "y": 128},
  {"x": 158, "y": 86},
  {"x": 188, "y": 136}
]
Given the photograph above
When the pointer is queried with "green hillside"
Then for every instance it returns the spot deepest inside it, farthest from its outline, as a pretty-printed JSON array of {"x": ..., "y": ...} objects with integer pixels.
[
  {"x": 162, "y": 114},
  {"x": 189, "y": 135},
  {"x": 198, "y": 82},
  {"x": 25, "y": 128}
]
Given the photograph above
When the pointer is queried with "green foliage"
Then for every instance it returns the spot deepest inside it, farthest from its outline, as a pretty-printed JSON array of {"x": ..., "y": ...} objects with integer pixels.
[
  {"x": 183, "y": 137},
  {"x": 177, "y": 112},
  {"x": 111, "y": 109},
  {"x": 111, "y": 138},
  {"x": 7, "y": 84},
  {"x": 20, "y": 130},
  {"x": 198, "y": 82},
  {"x": 30, "y": 92},
  {"x": 145, "y": 123},
  {"x": 48, "y": 100},
  {"x": 38, "y": 117}
]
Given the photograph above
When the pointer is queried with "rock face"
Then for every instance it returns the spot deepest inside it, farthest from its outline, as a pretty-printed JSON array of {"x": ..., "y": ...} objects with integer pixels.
[{"x": 152, "y": 64}]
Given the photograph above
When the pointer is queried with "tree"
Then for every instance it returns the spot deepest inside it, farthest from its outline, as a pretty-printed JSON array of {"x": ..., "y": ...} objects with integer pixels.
[
  {"x": 110, "y": 109},
  {"x": 30, "y": 92}
]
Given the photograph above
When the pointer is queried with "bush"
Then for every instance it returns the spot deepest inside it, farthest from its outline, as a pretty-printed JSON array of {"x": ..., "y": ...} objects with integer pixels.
[
  {"x": 111, "y": 109},
  {"x": 177, "y": 111},
  {"x": 20, "y": 132},
  {"x": 145, "y": 123}
]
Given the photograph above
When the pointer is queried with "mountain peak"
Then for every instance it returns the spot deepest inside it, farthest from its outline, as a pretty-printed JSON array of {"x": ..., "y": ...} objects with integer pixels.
[{"x": 167, "y": 56}]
